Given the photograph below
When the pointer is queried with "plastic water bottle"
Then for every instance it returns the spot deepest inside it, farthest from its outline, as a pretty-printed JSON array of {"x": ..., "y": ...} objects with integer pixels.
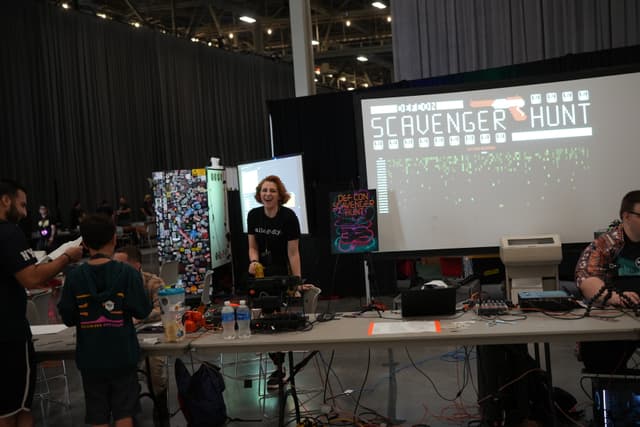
[
  {"x": 243, "y": 314},
  {"x": 228, "y": 321}
]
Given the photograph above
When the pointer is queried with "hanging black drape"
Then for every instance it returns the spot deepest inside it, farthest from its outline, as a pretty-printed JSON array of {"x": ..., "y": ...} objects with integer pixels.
[
  {"x": 442, "y": 37},
  {"x": 90, "y": 107},
  {"x": 323, "y": 128}
]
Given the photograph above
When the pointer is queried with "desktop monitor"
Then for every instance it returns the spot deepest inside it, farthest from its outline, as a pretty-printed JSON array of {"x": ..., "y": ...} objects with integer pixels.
[{"x": 290, "y": 171}]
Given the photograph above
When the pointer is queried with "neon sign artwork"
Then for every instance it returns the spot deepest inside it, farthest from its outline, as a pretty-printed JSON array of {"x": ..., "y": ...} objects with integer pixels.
[{"x": 354, "y": 222}]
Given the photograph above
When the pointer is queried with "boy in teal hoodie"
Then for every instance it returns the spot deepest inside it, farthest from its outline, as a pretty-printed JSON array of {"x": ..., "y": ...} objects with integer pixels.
[{"x": 100, "y": 298}]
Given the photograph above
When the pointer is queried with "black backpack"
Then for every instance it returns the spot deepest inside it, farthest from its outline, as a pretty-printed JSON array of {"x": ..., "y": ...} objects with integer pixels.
[{"x": 200, "y": 395}]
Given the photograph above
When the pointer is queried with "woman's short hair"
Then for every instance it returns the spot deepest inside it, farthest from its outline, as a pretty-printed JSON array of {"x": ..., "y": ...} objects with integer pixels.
[{"x": 283, "y": 195}]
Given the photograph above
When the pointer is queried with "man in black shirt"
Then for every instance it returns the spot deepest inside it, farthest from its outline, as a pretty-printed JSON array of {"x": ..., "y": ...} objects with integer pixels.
[{"x": 18, "y": 270}]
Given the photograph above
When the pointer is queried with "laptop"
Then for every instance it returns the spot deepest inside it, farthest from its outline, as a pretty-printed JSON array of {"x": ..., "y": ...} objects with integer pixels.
[
  {"x": 428, "y": 302},
  {"x": 616, "y": 401}
]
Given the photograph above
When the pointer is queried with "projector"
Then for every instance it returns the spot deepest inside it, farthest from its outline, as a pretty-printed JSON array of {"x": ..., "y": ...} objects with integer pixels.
[{"x": 546, "y": 300}]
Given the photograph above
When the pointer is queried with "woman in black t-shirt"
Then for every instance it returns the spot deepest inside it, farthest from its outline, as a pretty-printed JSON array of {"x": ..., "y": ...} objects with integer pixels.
[{"x": 274, "y": 231}]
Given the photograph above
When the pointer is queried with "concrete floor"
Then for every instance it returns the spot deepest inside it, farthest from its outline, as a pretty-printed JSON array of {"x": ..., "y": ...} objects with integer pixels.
[{"x": 418, "y": 387}]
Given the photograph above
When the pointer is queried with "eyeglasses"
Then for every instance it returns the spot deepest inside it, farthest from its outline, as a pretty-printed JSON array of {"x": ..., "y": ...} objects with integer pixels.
[{"x": 634, "y": 213}]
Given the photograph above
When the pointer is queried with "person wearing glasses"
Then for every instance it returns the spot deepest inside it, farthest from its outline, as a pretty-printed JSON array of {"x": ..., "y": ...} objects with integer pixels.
[{"x": 608, "y": 271}]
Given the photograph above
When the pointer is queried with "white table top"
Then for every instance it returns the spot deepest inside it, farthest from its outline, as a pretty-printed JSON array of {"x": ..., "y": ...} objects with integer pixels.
[{"x": 467, "y": 329}]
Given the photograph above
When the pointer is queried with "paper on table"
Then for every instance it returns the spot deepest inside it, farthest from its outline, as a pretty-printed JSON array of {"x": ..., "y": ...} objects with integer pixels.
[
  {"x": 412, "y": 327},
  {"x": 47, "y": 329},
  {"x": 58, "y": 252}
]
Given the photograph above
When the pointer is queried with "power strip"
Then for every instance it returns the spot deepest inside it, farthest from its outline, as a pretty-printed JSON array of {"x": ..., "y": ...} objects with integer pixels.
[{"x": 491, "y": 307}]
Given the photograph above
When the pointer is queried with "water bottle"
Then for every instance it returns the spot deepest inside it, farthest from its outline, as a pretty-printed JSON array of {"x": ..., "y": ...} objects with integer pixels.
[
  {"x": 243, "y": 315},
  {"x": 228, "y": 321}
]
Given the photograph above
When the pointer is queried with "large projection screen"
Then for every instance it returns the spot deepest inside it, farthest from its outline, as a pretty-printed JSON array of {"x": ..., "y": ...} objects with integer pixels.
[
  {"x": 462, "y": 169},
  {"x": 289, "y": 169}
]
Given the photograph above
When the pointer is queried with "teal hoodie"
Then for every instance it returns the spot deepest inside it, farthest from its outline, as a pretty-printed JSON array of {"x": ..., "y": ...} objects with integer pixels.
[{"x": 100, "y": 301}]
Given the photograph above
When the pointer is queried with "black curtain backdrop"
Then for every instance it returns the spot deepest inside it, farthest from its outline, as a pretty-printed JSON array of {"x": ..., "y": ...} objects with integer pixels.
[
  {"x": 323, "y": 129},
  {"x": 443, "y": 37},
  {"x": 91, "y": 107}
]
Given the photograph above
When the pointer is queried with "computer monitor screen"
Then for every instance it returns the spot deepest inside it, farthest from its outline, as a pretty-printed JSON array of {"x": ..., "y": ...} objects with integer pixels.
[
  {"x": 616, "y": 401},
  {"x": 459, "y": 168},
  {"x": 289, "y": 169}
]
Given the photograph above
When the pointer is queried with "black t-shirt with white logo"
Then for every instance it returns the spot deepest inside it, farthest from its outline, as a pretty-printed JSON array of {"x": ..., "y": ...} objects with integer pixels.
[
  {"x": 15, "y": 255},
  {"x": 273, "y": 236}
]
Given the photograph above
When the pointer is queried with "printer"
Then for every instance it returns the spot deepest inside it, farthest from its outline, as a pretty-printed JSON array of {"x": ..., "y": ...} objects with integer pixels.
[{"x": 531, "y": 263}]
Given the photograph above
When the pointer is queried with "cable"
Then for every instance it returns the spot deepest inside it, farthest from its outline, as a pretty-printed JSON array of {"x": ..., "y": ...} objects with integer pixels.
[
  {"x": 430, "y": 380},
  {"x": 326, "y": 378},
  {"x": 364, "y": 381}
]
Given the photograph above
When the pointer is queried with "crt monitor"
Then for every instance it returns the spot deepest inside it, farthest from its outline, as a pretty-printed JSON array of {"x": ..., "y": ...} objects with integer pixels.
[{"x": 290, "y": 171}]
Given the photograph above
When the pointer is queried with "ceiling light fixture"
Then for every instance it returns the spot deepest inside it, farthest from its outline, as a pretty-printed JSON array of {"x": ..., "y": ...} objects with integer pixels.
[
  {"x": 136, "y": 24},
  {"x": 315, "y": 42},
  {"x": 65, "y": 5},
  {"x": 195, "y": 39},
  {"x": 362, "y": 58},
  {"x": 269, "y": 31},
  {"x": 230, "y": 35},
  {"x": 389, "y": 18},
  {"x": 348, "y": 23},
  {"x": 379, "y": 5},
  {"x": 102, "y": 15},
  {"x": 247, "y": 19}
]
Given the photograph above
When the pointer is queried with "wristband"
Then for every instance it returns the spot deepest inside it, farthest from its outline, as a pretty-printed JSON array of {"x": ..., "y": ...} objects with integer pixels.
[{"x": 254, "y": 260}]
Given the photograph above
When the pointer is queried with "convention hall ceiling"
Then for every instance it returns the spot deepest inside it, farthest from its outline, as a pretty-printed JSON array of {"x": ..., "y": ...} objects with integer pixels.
[{"x": 342, "y": 30}]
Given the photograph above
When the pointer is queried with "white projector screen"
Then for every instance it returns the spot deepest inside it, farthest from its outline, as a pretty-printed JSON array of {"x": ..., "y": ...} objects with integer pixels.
[
  {"x": 289, "y": 169},
  {"x": 462, "y": 169}
]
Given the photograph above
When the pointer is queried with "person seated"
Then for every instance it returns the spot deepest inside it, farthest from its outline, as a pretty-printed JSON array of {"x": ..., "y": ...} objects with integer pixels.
[
  {"x": 105, "y": 208},
  {"x": 123, "y": 214},
  {"x": 148, "y": 210},
  {"x": 611, "y": 256},
  {"x": 152, "y": 284},
  {"x": 75, "y": 215}
]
